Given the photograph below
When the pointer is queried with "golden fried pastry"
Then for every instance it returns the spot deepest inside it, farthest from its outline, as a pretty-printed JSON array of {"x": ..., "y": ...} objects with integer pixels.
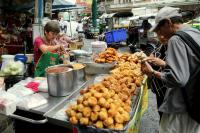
[
  {"x": 73, "y": 120},
  {"x": 97, "y": 95},
  {"x": 119, "y": 118},
  {"x": 126, "y": 116},
  {"x": 79, "y": 116},
  {"x": 92, "y": 101},
  {"x": 68, "y": 112},
  {"x": 94, "y": 116},
  {"x": 72, "y": 113},
  {"x": 84, "y": 121},
  {"x": 112, "y": 126},
  {"x": 106, "y": 95},
  {"x": 112, "y": 93},
  {"x": 99, "y": 124},
  {"x": 87, "y": 95},
  {"x": 96, "y": 108},
  {"x": 106, "y": 105},
  {"x": 80, "y": 107},
  {"x": 118, "y": 126},
  {"x": 103, "y": 109},
  {"x": 85, "y": 103},
  {"x": 83, "y": 91},
  {"x": 112, "y": 112},
  {"x": 103, "y": 115},
  {"x": 87, "y": 111},
  {"x": 120, "y": 110},
  {"x": 138, "y": 82},
  {"x": 102, "y": 101},
  {"x": 80, "y": 100},
  {"x": 109, "y": 121},
  {"x": 127, "y": 108},
  {"x": 110, "y": 100}
]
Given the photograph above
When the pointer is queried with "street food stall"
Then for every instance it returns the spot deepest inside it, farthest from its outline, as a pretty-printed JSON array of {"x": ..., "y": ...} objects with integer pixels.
[{"x": 44, "y": 106}]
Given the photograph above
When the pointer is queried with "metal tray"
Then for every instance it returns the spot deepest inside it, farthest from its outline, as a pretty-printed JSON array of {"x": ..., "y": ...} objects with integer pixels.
[{"x": 57, "y": 114}]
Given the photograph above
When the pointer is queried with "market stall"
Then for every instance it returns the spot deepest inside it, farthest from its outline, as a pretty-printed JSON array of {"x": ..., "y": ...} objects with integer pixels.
[{"x": 37, "y": 107}]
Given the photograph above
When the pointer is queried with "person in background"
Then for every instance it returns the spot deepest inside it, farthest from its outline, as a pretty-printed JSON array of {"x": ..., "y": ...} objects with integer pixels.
[
  {"x": 63, "y": 24},
  {"x": 80, "y": 31},
  {"x": 181, "y": 64},
  {"x": 157, "y": 60},
  {"x": 45, "y": 52}
]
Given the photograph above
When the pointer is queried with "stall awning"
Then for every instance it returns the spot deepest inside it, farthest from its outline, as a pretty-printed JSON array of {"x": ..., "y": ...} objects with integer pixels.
[{"x": 62, "y": 4}]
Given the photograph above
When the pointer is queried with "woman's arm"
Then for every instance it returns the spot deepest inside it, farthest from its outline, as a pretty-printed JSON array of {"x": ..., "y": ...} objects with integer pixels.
[{"x": 45, "y": 48}]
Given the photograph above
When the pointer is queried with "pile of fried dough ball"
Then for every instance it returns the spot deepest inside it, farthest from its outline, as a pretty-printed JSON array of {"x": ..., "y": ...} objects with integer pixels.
[
  {"x": 108, "y": 56},
  {"x": 107, "y": 104}
]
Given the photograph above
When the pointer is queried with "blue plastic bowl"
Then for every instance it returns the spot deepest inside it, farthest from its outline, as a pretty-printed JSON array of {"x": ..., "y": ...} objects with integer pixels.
[{"x": 21, "y": 58}]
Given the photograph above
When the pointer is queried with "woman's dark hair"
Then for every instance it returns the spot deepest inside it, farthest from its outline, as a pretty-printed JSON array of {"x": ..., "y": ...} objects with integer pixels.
[{"x": 52, "y": 26}]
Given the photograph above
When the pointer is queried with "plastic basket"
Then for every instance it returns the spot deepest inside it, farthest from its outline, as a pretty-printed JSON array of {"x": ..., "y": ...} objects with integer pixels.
[
  {"x": 109, "y": 37},
  {"x": 115, "y": 36}
]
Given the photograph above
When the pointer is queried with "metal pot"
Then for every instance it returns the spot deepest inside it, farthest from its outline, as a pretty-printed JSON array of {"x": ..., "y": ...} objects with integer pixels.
[
  {"x": 60, "y": 83},
  {"x": 79, "y": 74}
]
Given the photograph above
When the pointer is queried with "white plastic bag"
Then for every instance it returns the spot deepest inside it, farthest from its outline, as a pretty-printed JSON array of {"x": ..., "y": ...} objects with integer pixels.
[
  {"x": 7, "y": 103},
  {"x": 32, "y": 101}
]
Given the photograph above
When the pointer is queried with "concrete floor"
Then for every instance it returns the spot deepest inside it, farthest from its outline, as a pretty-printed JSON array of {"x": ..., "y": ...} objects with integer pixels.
[{"x": 150, "y": 120}]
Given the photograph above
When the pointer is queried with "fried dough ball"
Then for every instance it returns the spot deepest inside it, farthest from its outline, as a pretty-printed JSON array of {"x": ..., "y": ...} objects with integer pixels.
[
  {"x": 87, "y": 111},
  {"x": 99, "y": 124},
  {"x": 104, "y": 90},
  {"x": 115, "y": 97},
  {"x": 109, "y": 121},
  {"x": 72, "y": 113},
  {"x": 103, "y": 109},
  {"x": 106, "y": 105},
  {"x": 113, "y": 106},
  {"x": 112, "y": 126},
  {"x": 94, "y": 116},
  {"x": 79, "y": 116},
  {"x": 92, "y": 101},
  {"x": 73, "y": 107},
  {"x": 98, "y": 95},
  {"x": 68, "y": 112},
  {"x": 85, "y": 103},
  {"x": 106, "y": 83},
  {"x": 83, "y": 91},
  {"x": 80, "y": 100},
  {"x": 106, "y": 95},
  {"x": 127, "y": 108},
  {"x": 119, "y": 118},
  {"x": 123, "y": 97},
  {"x": 80, "y": 107},
  {"x": 119, "y": 126},
  {"x": 102, "y": 101},
  {"x": 103, "y": 115},
  {"x": 112, "y": 93},
  {"x": 110, "y": 100},
  {"x": 138, "y": 82},
  {"x": 87, "y": 95},
  {"x": 112, "y": 112},
  {"x": 73, "y": 120},
  {"x": 126, "y": 116},
  {"x": 120, "y": 110},
  {"x": 84, "y": 121},
  {"x": 96, "y": 108}
]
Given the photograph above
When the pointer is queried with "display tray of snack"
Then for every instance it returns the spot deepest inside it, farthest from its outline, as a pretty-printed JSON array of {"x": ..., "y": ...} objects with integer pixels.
[{"x": 104, "y": 106}]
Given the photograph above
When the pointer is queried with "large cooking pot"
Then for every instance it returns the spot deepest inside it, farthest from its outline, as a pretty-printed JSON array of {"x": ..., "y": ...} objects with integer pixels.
[
  {"x": 79, "y": 73},
  {"x": 60, "y": 80}
]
